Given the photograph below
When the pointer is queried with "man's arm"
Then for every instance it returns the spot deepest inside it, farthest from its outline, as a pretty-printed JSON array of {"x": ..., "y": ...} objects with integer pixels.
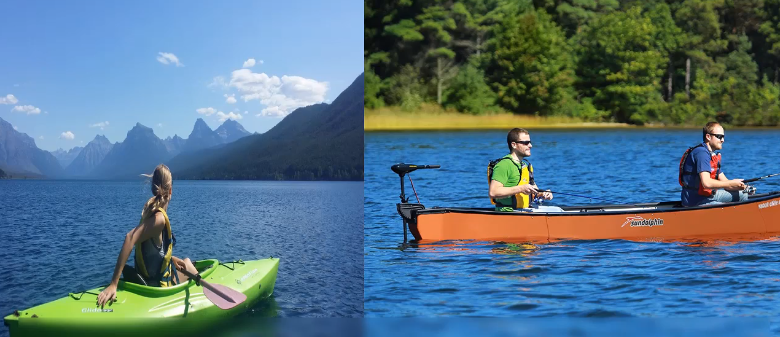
[
  {"x": 498, "y": 190},
  {"x": 731, "y": 185}
]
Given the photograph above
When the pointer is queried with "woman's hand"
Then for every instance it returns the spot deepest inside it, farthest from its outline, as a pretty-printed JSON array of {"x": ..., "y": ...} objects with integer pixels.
[
  {"x": 108, "y": 294},
  {"x": 180, "y": 265}
]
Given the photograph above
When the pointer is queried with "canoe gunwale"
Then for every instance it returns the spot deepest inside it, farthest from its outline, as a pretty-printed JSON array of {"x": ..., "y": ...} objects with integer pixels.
[{"x": 668, "y": 206}]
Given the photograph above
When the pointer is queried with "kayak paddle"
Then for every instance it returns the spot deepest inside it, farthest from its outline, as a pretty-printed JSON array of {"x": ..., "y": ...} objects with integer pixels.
[{"x": 222, "y": 296}]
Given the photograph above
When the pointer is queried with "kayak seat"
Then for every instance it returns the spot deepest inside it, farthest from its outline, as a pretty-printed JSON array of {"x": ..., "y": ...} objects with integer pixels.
[{"x": 129, "y": 274}]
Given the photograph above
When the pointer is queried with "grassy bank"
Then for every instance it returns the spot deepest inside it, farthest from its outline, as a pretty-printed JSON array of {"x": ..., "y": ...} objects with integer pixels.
[{"x": 433, "y": 117}]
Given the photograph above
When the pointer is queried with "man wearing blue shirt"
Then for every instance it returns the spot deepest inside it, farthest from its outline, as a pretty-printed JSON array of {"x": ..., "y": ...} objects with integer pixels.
[{"x": 701, "y": 177}]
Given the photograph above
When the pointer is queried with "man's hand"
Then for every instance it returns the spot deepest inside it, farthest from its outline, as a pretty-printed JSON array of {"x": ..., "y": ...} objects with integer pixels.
[
  {"x": 527, "y": 189},
  {"x": 547, "y": 195},
  {"x": 735, "y": 185}
]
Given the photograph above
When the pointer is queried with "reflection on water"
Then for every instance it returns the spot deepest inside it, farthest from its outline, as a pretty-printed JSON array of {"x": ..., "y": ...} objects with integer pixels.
[{"x": 523, "y": 249}]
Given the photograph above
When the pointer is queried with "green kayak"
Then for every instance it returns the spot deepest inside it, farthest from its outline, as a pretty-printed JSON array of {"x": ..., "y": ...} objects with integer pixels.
[{"x": 139, "y": 309}]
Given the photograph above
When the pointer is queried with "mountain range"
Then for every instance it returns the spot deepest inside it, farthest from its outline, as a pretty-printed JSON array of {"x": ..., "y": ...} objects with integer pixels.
[
  {"x": 317, "y": 142},
  {"x": 20, "y": 157},
  {"x": 66, "y": 157}
]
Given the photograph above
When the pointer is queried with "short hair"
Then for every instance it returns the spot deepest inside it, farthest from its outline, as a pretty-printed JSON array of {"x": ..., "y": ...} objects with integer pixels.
[
  {"x": 708, "y": 129},
  {"x": 513, "y": 136}
]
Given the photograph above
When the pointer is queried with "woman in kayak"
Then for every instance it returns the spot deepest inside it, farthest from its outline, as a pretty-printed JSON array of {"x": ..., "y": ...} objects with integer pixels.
[{"x": 153, "y": 242}]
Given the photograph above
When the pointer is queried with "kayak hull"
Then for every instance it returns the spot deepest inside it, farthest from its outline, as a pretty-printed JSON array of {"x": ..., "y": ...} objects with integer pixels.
[
  {"x": 149, "y": 311},
  {"x": 758, "y": 217}
]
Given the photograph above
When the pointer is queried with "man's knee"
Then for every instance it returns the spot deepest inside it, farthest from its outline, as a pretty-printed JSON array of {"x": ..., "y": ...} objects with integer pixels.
[{"x": 743, "y": 196}]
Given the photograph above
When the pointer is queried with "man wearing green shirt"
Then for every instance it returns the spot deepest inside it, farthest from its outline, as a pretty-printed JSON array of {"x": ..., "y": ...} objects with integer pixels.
[{"x": 511, "y": 182}]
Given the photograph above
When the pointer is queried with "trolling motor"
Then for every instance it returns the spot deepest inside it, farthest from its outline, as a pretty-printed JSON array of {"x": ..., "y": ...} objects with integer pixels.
[{"x": 406, "y": 209}]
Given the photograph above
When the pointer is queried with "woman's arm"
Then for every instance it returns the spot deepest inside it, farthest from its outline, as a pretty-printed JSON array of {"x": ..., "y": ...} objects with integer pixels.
[
  {"x": 143, "y": 231},
  {"x": 177, "y": 262}
]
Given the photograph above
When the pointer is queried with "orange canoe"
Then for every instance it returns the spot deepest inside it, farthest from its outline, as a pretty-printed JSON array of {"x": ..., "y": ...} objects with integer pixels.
[{"x": 759, "y": 216}]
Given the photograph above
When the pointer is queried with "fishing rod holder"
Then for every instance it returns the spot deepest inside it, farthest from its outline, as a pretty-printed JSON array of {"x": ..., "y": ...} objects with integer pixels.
[{"x": 407, "y": 210}]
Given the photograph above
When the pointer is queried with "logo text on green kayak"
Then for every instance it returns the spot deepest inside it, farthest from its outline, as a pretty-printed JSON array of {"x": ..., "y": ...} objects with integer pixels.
[
  {"x": 86, "y": 310},
  {"x": 638, "y": 221},
  {"x": 249, "y": 274}
]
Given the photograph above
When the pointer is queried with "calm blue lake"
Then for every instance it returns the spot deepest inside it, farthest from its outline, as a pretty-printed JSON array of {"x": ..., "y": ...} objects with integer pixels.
[
  {"x": 600, "y": 278},
  {"x": 64, "y": 236}
]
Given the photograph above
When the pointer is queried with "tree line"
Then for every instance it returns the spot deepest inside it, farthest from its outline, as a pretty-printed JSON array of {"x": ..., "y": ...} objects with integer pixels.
[{"x": 640, "y": 62}]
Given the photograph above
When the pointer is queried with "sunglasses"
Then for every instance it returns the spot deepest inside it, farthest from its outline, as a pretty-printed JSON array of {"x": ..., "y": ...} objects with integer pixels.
[
  {"x": 718, "y": 136},
  {"x": 524, "y": 142}
]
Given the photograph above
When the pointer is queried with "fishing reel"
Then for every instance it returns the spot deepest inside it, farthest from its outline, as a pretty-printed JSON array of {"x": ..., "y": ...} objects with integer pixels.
[
  {"x": 537, "y": 199},
  {"x": 750, "y": 190}
]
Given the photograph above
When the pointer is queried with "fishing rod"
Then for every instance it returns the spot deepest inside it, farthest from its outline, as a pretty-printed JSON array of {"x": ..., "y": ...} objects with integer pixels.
[
  {"x": 759, "y": 178},
  {"x": 582, "y": 196}
]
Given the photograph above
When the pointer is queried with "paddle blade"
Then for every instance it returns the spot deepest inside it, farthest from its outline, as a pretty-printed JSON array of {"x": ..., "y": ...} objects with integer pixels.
[{"x": 222, "y": 296}]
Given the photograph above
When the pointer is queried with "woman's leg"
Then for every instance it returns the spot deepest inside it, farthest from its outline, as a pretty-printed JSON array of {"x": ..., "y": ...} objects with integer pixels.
[{"x": 190, "y": 268}]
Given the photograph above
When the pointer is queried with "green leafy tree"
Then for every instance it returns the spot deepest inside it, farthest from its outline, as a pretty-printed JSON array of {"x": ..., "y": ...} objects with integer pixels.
[
  {"x": 435, "y": 24},
  {"x": 404, "y": 89},
  {"x": 700, "y": 22},
  {"x": 770, "y": 29},
  {"x": 469, "y": 93},
  {"x": 373, "y": 84},
  {"x": 573, "y": 15},
  {"x": 530, "y": 64},
  {"x": 620, "y": 67},
  {"x": 669, "y": 39}
]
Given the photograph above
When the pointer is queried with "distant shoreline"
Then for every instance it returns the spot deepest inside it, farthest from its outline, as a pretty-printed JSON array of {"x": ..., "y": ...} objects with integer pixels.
[
  {"x": 431, "y": 118},
  {"x": 436, "y": 119}
]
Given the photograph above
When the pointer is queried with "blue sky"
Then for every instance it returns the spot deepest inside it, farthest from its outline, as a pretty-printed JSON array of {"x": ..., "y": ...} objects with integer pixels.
[{"x": 82, "y": 68}]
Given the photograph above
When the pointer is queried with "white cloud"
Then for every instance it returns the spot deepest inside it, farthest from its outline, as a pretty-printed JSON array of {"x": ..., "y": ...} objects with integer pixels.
[
  {"x": 218, "y": 82},
  {"x": 169, "y": 58},
  {"x": 206, "y": 111},
  {"x": 271, "y": 111},
  {"x": 15, "y": 128},
  {"x": 159, "y": 125},
  {"x": 29, "y": 109},
  {"x": 246, "y": 112},
  {"x": 280, "y": 95},
  {"x": 250, "y": 63},
  {"x": 8, "y": 99},
  {"x": 223, "y": 117},
  {"x": 100, "y": 125},
  {"x": 67, "y": 135},
  {"x": 40, "y": 137},
  {"x": 230, "y": 99}
]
